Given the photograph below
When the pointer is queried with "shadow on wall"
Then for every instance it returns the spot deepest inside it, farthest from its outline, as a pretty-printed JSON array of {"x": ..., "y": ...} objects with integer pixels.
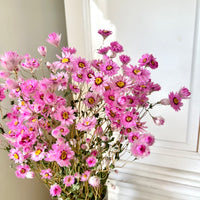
[{"x": 25, "y": 25}]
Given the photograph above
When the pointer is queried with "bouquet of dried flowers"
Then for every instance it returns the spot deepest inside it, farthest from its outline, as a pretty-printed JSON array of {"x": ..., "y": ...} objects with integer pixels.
[{"x": 70, "y": 128}]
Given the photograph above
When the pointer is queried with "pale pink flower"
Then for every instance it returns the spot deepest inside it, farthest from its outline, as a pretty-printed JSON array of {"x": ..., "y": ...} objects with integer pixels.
[
  {"x": 86, "y": 124},
  {"x": 165, "y": 101},
  {"x": 55, "y": 190},
  {"x": 68, "y": 180},
  {"x": 54, "y": 39},
  {"x": 139, "y": 150},
  {"x": 159, "y": 120},
  {"x": 31, "y": 63},
  {"x": 184, "y": 93},
  {"x": 147, "y": 138},
  {"x": 11, "y": 61},
  {"x": 42, "y": 50},
  {"x": 132, "y": 136},
  {"x": 94, "y": 181},
  {"x": 30, "y": 175},
  {"x": 59, "y": 131},
  {"x": 85, "y": 176},
  {"x": 4, "y": 74},
  {"x": 46, "y": 173},
  {"x": 2, "y": 94},
  {"x": 16, "y": 155}
]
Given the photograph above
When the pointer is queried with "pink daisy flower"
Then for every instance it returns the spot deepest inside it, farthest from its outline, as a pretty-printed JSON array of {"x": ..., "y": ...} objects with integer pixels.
[
  {"x": 91, "y": 99},
  {"x": 103, "y": 50},
  {"x": 79, "y": 76},
  {"x": 109, "y": 68},
  {"x": 85, "y": 176},
  {"x": 86, "y": 124},
  {"x": 68, "y": 180},
  {"x": 104, "y": 33},
  {"x": 120, "y": 83},
  {"x": 153, "y": 64},
  {"x": 109, "y": 97},
  {"x": 74, "y": 88},
  {"x": 16, "y": 155},
  {"x": 158, "y": 120},
  {"x": 96, "y": 63},
  {"x": 139, "y": 150},
  {"x": 4, "y": 75},
  {"x": 65, "y": 115},
  {"x": 11, "y": 61},
  {"x": 80, "y": 64},
  {"x": 29, "y": 86},
  {"x": 38, "y": 153},
  {"x": 46, "y": 173},
  {"x": 55, "y": 190},
  {"x": 129, "y": 119},
  {"x": 31, "y": 63},
  {"x": 144, "y": 60},
  {"x": 91, "y": 161},
  {"x": 99, "y": 81},
  {"x": 54, "y": 39},
  {"x": 65, "y": 62},
  {"x": 139, "y": 74},
  {"x": 88, "y": 75},
  {"x": 94, "y": 181},
  {"x": 132, "y": 136},
  {"x": 175, "y": 101},
  {"x": 22, "y": 170}
]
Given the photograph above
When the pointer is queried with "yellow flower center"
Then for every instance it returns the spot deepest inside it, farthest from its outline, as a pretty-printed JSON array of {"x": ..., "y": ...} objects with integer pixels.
[
  {"x": 112, "y": 114},
  {"x": 46, "y": 175},
  {"x": 38, "y": 152},
  {"x": 16, "y": 156},
  {"x": 144, "y": 60},
  {"x": 16, "y": 123},
  {"x": 22, "y": 171},
  {"x": 63, "y": 155},
  {"x": 98, "y": 81},
  {"x": 109, "y": 67},
  {"x": 128, "y": 119},
  {"x": 111, "y": 97},
  {"x": 65, "y": 115},
  {"x": 136, "y": 71},
  {"x": 91, "y": 100},
  {"x": 120, "y": 84},
  {"x": 134, "y": 138},
  {"x": 175, "y": 100},
  {"x": 62, "y": 130},
  {"x": 152, "y": 62},
  {"x": 81, "y": 65},
  {"x": 128, "y": 130},
  {"x": 107, "y": 87},
  {"x": 23, "y": 103},
  {"x": 33, "y": 120},
  {"x": 87, "y": 123},
  {"x": 80, "y": 76},
  {"x": 65, "y": 60}
]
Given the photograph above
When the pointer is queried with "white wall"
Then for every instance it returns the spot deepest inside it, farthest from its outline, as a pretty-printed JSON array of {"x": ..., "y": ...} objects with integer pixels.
[{"x": 24, "y": 26}]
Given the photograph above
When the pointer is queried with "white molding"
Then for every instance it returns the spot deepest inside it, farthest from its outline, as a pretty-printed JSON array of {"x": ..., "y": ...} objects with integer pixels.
[{"x": 140, "y": 181}]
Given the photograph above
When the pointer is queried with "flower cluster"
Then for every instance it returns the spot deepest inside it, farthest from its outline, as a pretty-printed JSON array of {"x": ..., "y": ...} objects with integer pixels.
[{"x": 72, "y": 141}]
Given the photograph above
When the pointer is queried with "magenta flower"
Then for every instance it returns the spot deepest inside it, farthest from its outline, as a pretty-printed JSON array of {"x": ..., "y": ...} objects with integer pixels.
[
  {"x": 125, "y": 59},
  {"x": 31, "y": 63},
  {"x": 74, "y": 88},
  {"x": 46, "y": 173},
  {"x": 91, "y": 99},
  {"x": 60, "y": 131},
  {"x": 116, "y": 47},
  {"x": 11, "y": 61},
  {"x": 68, "y": 180},
  {"x": 22, "y": 170},
  {"x": 91, "y": 161},
  {"x": 2, "y": 94},
  {"x": 153, "y": 64},
  {"x": 54, "y": 39},
  {"x": 55, "y": 190},
  {"x": 104, "y": 33},
  {"x": 147, "y": 139},
  {"x": 129, "y": 119},
  {"x": 175, "y": 101},
  {"x": 86, "y": 124},
  {"x": 109, "y": 68},
  {"x": 132, "y": 136},
  {"x": 144, "y": 60}
]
